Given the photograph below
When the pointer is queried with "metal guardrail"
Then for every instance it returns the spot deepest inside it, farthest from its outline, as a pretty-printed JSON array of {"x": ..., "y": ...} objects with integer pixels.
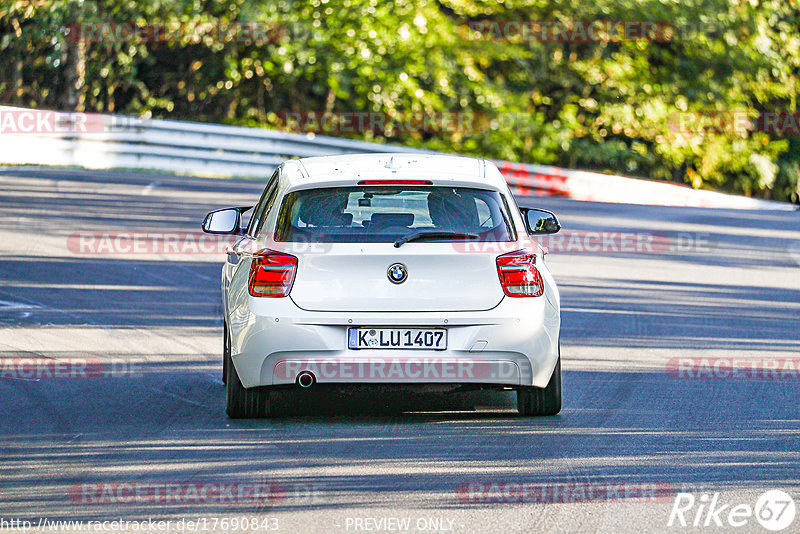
[
  {"x": 195, "y": 148},
  {"x": 110, "y": 141}
]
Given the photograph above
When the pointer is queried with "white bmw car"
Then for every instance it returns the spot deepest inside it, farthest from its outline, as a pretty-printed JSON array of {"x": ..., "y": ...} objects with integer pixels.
[{"x": 406, "y": 270}]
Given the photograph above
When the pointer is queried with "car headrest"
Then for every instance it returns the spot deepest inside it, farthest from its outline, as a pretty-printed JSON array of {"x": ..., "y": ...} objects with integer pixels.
[
  {"x": 452, "y": 211},
  {"x": 341, "y": 219},
  {"x": 380, "y": 221},
  {"x": 324, "y": 210}
]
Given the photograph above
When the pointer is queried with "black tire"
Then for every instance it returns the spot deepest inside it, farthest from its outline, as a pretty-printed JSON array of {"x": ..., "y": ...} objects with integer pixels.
[
  {"x": 226, "y": 351},
  {"x": 243, "y": 403},
  {"x": 533, "y": 401}
]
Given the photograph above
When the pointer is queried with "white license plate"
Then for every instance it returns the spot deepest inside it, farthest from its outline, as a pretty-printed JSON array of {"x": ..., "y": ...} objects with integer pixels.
[{"x": 397, "y": 338}]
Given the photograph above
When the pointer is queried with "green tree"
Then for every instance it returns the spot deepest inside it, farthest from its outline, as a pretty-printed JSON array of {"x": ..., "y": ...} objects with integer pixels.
[{"x": 613, "y": 105}]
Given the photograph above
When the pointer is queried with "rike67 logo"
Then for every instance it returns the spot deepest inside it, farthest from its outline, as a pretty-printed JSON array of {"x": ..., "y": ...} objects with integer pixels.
[{"x": 774, "y": 510}]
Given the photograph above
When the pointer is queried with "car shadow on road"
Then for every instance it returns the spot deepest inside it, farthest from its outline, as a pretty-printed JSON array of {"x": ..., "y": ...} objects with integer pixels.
[
  {"x": 84, "y": 448},
  {"x": 679, "y": 315}
]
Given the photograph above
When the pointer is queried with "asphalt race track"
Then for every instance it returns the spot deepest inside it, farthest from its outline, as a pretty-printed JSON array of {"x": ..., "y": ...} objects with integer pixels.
[{"x": 709, "y": 287}]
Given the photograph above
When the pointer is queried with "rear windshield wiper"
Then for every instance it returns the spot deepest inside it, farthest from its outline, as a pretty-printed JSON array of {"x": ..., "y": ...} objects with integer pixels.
[{"x": 432, "y": 236}]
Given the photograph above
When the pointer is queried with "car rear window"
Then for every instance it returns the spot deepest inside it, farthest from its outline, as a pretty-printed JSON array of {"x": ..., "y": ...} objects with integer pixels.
[{"x": 380, "y": 214}]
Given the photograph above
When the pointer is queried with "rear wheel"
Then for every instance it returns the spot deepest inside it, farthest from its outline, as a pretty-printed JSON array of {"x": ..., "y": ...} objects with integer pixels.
[
  {"x": 242, "y": 403},
  {"x": 542, "y": 401}
]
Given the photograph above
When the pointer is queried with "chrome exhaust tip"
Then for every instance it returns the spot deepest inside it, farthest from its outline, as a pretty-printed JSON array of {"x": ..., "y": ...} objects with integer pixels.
[{"x": 306, "y": 379}]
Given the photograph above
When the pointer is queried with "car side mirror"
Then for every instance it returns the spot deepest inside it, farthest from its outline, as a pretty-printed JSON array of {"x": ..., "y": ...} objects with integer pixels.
[
  {"x": 540, "y": 221},
  {"x": 225, "y": 221}
]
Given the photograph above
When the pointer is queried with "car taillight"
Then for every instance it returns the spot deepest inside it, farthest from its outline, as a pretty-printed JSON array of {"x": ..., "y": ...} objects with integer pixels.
[
  {"x": 272, "y": 274},
  {"x": 519, "y": 275}
]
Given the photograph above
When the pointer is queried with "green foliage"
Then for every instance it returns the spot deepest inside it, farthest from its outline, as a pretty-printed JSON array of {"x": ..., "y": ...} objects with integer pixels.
[{"x": 615, "y": 105}]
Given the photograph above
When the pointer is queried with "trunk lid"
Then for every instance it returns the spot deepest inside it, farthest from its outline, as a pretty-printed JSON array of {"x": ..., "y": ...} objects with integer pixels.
[{"x": 353, "y": 277}]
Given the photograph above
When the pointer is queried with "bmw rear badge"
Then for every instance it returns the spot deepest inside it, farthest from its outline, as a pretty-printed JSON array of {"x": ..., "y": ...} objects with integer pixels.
[{"x": 397, "y": 273}]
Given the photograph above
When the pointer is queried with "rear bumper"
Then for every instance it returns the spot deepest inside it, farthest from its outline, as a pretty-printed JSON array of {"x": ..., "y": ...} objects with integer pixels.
[{"x": 514, "y": 344}]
